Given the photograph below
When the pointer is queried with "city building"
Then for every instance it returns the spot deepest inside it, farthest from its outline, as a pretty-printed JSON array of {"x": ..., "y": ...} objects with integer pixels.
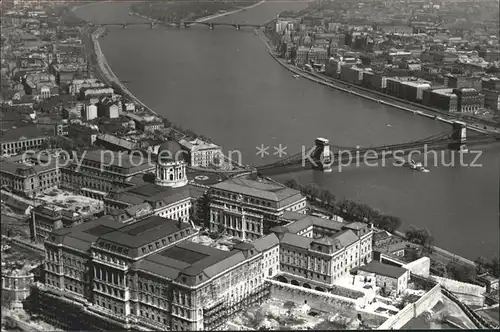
[
  {"x": 444, "y": 99},
  {"x": 409, "y": 88},
  {"x": 352, "y": 74},
  {"x": 47, "y": 217},
  {"x": 200, "y": 153},
  {"x": 77, "y": 84},
  {"x": 16, "y": 286},
  {"x": 171, "y": 165},
  {"x": 302, "y": 54},
  {"x": 90, "y": 112},
  {"x": 491, "y": 99},
  {"x": 146, "y": 123},
  {"x": 146, "y": 275},
  {"x": 108, "y": 108},
  {"x": 169, "y": 196},
  {"x": 30, "y": 177},
  {"x": 152, "y": 199},
  {"x": 469, "y": 100},
  {"x": 21, "y": 139},
  {"x": 317, "y": 55},
  {"x": 458, "y": 82},
  {"x": 315, "y": 252},
  {"x": 391, "y": 279},
  {"x": 247, "y": 207},
  {"x": 96, "y": 172},
  {"x": 492, "y": 83},
  {"x": 97, "y": 92}
]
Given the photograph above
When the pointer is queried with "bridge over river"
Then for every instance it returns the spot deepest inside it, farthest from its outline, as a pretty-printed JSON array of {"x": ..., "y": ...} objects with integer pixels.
[
  {"x": 181, "y": 24},
  {"x": 323, "y": 156}
]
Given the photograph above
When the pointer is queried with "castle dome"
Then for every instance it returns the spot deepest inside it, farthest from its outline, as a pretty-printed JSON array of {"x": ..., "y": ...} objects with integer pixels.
[
  {"x": 170, "y": 151},
  {"x": 171, "y": 166}
]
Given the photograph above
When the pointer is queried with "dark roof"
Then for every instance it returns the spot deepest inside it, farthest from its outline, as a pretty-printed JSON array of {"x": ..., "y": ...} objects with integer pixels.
[
  {"x": 151, "y": 193},
  {"x": 190, "y": 259},
  {"x": 144, "y": 231},
  {"x": 81, "y": 237},
  {"x": 171, "y": 151},
  {"x": 260, "y": 188},
  {"x": 383, "y": 269},
  {"x": 23, "y": 133},
  {"x": 132, "y": 162}
]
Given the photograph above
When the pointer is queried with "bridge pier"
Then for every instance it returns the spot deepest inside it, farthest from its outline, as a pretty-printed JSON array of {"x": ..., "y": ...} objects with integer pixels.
[
  {"x": 459, "y": 136},
  {"x": 211, "y": 26},
  {"x": 152, "y": 25},
  {"x": 238, "y": 27},
  {"x": 124, "y": 26},
  {"x": 322, "y": 155}
]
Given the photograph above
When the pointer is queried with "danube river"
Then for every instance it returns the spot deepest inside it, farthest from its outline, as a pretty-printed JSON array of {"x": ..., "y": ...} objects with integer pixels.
[{"x": 223, "y": 84}]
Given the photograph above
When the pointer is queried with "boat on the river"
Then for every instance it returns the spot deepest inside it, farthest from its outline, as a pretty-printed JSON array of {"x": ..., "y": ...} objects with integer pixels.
[
  {"x": 296, "y": 76},
  {"x": 416, "y": 166}
]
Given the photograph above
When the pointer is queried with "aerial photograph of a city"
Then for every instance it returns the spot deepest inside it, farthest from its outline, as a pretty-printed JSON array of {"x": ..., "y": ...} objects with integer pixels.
[{"x": 200, "y": 165}]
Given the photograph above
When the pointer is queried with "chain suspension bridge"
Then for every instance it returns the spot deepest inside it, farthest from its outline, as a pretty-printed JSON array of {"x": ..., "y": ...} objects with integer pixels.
[{"x": 323, "y": 156}]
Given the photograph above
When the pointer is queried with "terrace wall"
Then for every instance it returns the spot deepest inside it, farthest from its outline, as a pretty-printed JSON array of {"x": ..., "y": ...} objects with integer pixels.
[
  {"x": 412, "y": 310},
  {"x": 346, "y": 292},
  {"x": 317, "y": 300},
  {"x": 460, "y": 287}
]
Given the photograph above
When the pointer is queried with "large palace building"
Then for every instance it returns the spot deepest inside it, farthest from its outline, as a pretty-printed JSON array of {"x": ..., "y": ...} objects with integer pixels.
[
  {"x": 141, "y": 267},
  {"x": 97, "y": 172},
  {"x": 146, "y": 275},
  {"x": 150, "y": 274},
  {"x": 315, "y": 252},
  {"x": 248, "y": 206}
]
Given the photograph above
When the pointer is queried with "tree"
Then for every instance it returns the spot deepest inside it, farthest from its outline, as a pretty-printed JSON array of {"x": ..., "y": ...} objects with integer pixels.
[
  {"x": 389, "y": 223},
  {"x": 464, "y": 273},
  {"x": 292, "y": 184},
  {"x": 439, "y": 268},
  {"x": 412, "y": 254},
  {"x": 481, "y": 265},
  {"x": 419, "y": 236}
]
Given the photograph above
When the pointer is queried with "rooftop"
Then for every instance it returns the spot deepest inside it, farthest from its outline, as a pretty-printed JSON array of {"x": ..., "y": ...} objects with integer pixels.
[
  {"x": 22, "y": 133},
  {"x": 116, "y": 159},
  {"x": 383, "y": 269},
  {"x": 67, "y": 202},
  {"x": 260, "y": 188},
  {"x": 444, "y": 92},
  {"x": 145, "y": 231},
  {"x": 150, "y": 192}
]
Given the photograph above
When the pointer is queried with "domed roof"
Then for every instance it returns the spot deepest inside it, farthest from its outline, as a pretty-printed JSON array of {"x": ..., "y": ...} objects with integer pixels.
[{"x": 171, "y": 151}]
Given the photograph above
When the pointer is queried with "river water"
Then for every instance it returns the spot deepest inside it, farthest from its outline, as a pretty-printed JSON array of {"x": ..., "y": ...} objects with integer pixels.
[{"x": 223, "y": 84}]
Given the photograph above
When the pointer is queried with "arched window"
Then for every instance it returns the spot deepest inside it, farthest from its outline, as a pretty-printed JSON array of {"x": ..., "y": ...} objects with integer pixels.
[{"x": 171, "y": 177}]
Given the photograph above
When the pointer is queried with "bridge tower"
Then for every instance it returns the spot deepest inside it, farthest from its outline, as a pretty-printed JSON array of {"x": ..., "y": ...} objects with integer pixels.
[
  {"x": 459, "y": 136},
  {"x": 322, "y": 155}
]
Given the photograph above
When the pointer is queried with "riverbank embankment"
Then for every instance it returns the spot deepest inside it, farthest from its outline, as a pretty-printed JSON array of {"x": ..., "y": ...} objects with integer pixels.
[
  {"x": 371, "y": 95},
  {"x": 206, "y": 18},
  {"x": 106, "y": 73}
]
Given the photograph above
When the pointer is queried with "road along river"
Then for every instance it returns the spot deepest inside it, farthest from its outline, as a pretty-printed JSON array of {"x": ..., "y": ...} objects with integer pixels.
[{"x": 223, "y": 83}]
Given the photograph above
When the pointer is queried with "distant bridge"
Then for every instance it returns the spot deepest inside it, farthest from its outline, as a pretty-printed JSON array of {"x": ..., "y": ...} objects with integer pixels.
[
  {"x": 323, "y": 156},
  {"x": 182, "y": 24}
]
